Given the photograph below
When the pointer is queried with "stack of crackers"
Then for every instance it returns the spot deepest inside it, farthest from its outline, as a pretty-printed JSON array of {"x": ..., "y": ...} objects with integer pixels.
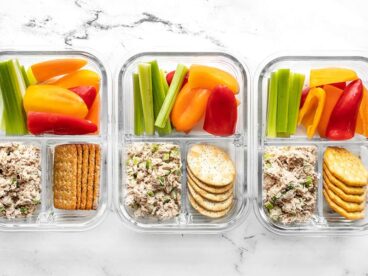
[
  {"x": 77, "y": 176},
  {"x": 345, "y": 179},
  {"x": 210, "y": 180}
]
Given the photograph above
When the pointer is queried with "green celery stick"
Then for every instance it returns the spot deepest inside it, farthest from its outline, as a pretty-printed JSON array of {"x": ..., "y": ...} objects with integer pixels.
[
  {"x": 164, "y": 82},
  {"x": 158, "y": 96},
  {"x": 295, "y": 92},
  {"x": 12, "y": 87},
  {"x": 174, "y": 89},
  {"x": 272, "y": 105},
  {"x": 25, "y": 77},
  {"x": 282, "y": 102},
  {"x": 145, "y": 84},
  {"x": 138, "y": 110}
]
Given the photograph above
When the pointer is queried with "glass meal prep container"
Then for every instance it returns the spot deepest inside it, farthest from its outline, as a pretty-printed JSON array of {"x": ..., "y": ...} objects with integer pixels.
[
  {"x": 188, "y": 220},
  {"x": 47, "y": 217},
  {"x": 324, "y": 220}
]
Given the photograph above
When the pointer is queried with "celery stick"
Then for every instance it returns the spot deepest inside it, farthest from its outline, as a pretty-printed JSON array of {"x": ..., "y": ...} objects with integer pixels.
[
  {"x": 272, "y": 105},
  {"x": 174, "y": 88},
  {"x": 25, "y": 77},
  {"x": 282, "y": 102},
  {"x": 12, "y": 87},
  {"x": 138, "y": 111},
  {"x": 296, "y": 87},
  {"x": 164, "y": 82},
  {"x": 158, "y": 96},
  {"x": 145, "y": 84}
]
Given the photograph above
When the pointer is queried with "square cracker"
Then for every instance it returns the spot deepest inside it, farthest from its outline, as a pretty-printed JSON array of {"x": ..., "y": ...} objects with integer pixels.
[
  {"x": 65, "y": 177},
  {"x": 79, "y": 174},
  {"x": 96, "y": 188},
  {"x": 91, "y": 175},
  {"x": 85, "y": 161}
]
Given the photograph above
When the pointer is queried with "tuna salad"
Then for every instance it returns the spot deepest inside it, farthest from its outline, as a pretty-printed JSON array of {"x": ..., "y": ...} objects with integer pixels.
[
  {"x": 290, "y": 183},
  {"x": 153, "y": 175},
  {"x": 20, "y": 179}
]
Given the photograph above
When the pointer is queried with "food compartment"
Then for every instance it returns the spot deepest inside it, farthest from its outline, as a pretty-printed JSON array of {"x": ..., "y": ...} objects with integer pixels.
[
  {"x": 324, "y": 220},
  {"x": 234, "y": 145}
]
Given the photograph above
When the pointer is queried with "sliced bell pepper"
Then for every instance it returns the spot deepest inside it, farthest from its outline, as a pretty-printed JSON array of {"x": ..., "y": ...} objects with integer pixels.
[
  {"x": 342, "y": 123},
  {"x": 319, "y": 77},
  {"x": 362, "y": 121},
  {"x": 94, "y": 112},
  {"x": 79, "y": 78},
  {"x": 170, "y": 76},
  {"x": 189, "y": 107},
  {"x": 41, "y": 123},
  {"x": 54, "y": 99},
  {"x": 43, "y": 71},
  {"x": 87, "y": 93},
  {"x": 311, "y": 112},
  {"x": 221, "y": 112},
  {"x": 201, "y": 76},
  {"x": 305, "y": 92},
  {"x": 332, "y": 96}
]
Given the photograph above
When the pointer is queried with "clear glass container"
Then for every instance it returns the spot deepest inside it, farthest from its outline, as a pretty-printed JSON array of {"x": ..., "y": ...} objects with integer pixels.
[
  {"x": 46, "y": 217},
  {"x": 236, "y": 145},
  {"x": 324, "y": 221}
]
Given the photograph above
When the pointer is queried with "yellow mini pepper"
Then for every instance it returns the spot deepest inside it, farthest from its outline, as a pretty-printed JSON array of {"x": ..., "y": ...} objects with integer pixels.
[
  {"x": 324, "y": 76},
  {"x": 311, "y": 112},
  {"x": 54, "y": 99}
]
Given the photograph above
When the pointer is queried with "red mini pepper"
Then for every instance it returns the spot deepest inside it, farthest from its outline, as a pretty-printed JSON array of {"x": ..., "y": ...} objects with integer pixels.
[
  {"x": 170, "y": 76},
  {"x": 343, "y": 118},
  {"x": 87, "y": 93},
  {"x": 52, "y": 123},
  {"x": 221, "y": 112}
]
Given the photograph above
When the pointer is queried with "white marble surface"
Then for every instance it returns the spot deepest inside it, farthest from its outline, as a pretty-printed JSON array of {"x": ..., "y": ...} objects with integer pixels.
[{"x": 253, "y": 28}]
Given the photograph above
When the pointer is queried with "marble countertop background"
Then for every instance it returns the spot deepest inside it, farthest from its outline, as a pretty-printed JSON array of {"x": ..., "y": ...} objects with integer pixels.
[{"x": 253, "y": 29}]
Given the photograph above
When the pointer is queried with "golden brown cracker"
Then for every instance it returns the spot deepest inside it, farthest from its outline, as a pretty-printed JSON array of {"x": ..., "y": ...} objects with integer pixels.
[
  {"x": 85, "y": 168},
  {"x": 79, "y": 175},
  {"x": 341, "y": 211},
  {"x": 96, "y": 188},
  {"x": 205, "y": 212},
  {"x": 91, "y": 175},
  {"x": 208, "y": 188},
  {"x": 340, "y": 193},
  {"x": 210, "y": 196},
  {"x": 346, "y": 188},
  {"x": 345, "y": 166},
  {"x": 65, "y": 177},
  {"x": 347, "y": 206}
]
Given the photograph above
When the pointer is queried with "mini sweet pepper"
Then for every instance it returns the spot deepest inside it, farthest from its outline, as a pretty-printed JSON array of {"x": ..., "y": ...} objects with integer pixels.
[{"x": 324, "y": 76}]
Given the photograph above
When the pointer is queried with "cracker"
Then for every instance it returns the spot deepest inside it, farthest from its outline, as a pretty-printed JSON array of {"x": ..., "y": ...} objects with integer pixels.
[
  {"x": 346, "y": 188},
  {"x": 79, "y": 175},
  {"x": 96, "y": 188},
  {"x": 205, "y": 212},
  {"x": 211, "y": 165},
  {"x": 340, "y": 193},
  {"x": 210, "y": 196},
  {"x": 348, "y": 207},
  {"x": 345, "y": 166},
  {"x": 208, "y": 188},
  {"x": 210, "y": 205},
  {"x": 341, "y": 211},
  {"x": 84, "y": 176},
  {"x": 65, "y": 177},
  {"x": 91, "y": 176}
]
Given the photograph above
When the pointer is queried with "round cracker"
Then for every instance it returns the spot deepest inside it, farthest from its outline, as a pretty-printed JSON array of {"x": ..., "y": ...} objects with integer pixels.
[
  {"x": 347, "y": 206},
  {"x": 210, "y": 196},
  {"x": 208, "y": 188},
  {"x": 205, "y": 212},
  {"x": 211, "y": 165},
  {"x": 210, "y": 205},
  {"x": 340, "y": 193},
  {"x": 345, "y": 166}
]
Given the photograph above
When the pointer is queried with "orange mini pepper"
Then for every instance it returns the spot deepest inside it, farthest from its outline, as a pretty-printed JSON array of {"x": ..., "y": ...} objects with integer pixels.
[
  {"x": 201, "y": 76},
  {"x": 332, "y": 96},
  {"x": 189, "y": 107},
  {"x": 311, "y": 112},
  {"x": 79, "y": 78},
  {"x": 362, "y": 121}
]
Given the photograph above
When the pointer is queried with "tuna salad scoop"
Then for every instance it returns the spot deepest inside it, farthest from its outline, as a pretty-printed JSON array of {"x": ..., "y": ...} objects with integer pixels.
[
  {"x": 20, "y": 179},
  {"x": 290, "y": 183},
  {"x": 153, "y": 179}
]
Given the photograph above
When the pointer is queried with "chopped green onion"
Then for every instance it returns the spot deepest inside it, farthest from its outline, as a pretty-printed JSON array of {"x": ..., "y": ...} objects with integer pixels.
[
  {"x": 145, "y": 84},
  {"x": 166, "y": 157},
  {"x": 150, "y": 193},
  {"x": 138, "y": 110},
  {"x": 159, "y": 95},
  {"x": 269, "y": 205},
  {"x": 308, "y": 182},
  {"x": 148, "y": 164},
  {"x": 174, "y": 89}
]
